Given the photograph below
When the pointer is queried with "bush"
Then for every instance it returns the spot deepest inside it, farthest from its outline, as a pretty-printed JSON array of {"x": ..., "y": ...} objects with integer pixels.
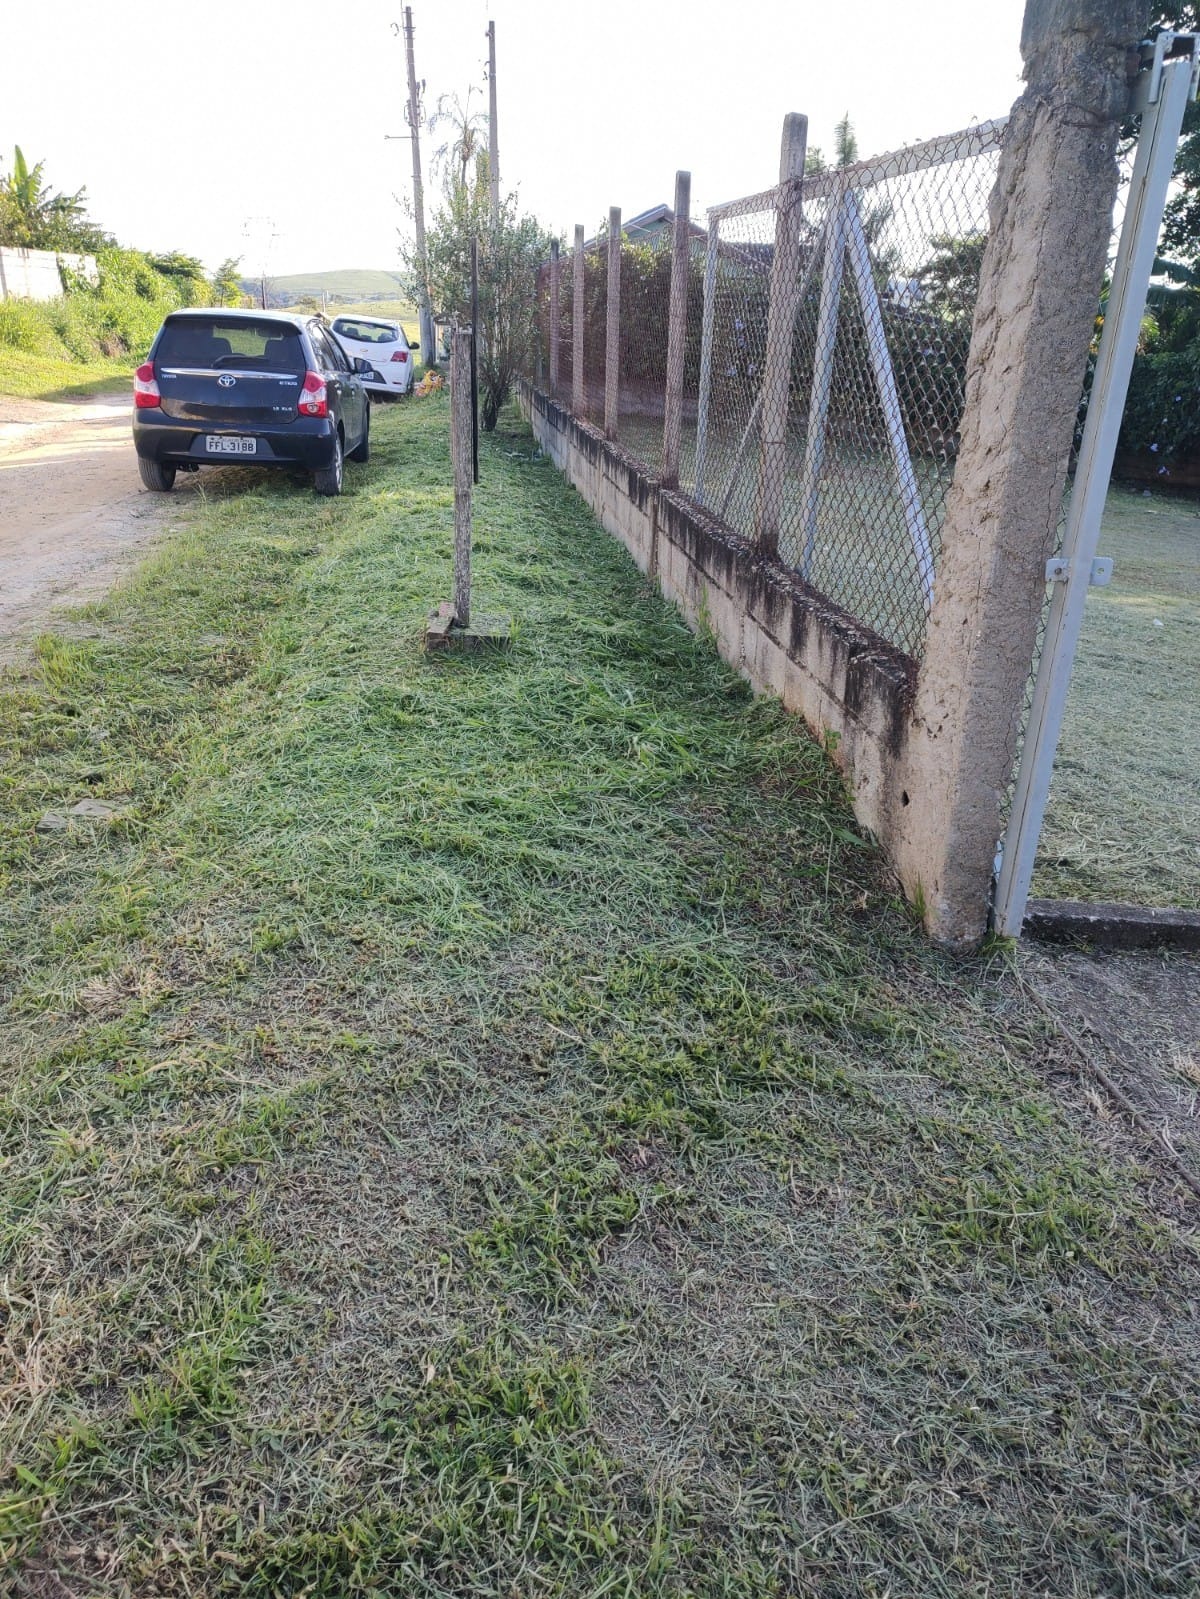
[
  {"x": 114, "y": 318},
  {"x": 1161, "y": 412},
  {"x": 23, "y": 327}
]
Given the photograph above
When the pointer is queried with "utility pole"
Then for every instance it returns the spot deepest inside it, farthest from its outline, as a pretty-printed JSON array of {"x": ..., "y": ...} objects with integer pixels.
[
  {"x": 254, "y": 230},
  {"x": 493, "y": 137},
  {"x": 412, "y": 115}
]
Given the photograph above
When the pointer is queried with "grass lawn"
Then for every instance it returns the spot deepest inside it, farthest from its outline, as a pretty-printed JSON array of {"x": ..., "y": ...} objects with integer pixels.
[
  {"x": 1123, "y": 822},
  {"x": 41, "y": 377},
  {"x": 487, "y": 1128}
]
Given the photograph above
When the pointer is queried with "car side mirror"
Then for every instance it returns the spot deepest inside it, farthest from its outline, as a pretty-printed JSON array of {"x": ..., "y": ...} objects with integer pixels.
[{"x": 362, "y": 366}]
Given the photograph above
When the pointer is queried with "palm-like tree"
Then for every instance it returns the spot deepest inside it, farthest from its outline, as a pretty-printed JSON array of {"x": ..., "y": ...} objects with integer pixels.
[
  {"x": 32, "y": 216},
  {"x": 467, "y": 139}
]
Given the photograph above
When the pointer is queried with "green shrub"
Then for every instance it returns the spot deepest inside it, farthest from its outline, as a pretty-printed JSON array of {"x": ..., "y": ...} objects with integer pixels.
[
  {"x": 1161, "y": 411},
  {"x": 23, "y": 327}
]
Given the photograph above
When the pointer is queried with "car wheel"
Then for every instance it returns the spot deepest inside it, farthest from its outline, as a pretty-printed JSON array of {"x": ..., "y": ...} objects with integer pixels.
[
  {"x": 362, "y": 450},
  {"x": 329, "y": 479},
  {"x": 156, "y": 476}
]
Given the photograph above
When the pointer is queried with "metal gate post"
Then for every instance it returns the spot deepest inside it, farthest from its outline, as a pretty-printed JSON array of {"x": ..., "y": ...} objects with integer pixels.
[{"x": 1168, "y": 85}]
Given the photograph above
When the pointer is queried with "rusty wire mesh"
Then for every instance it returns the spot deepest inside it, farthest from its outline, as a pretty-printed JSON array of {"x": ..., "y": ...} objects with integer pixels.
[
  {"x": 595, "y": 326},
  {"x": 554, "y": 360},
  {"x": 826, "y": 343},
  {"x": 882, "y": 280},
  {"x": 724, "y": 460},
  {"x": 644, "y": 314}
]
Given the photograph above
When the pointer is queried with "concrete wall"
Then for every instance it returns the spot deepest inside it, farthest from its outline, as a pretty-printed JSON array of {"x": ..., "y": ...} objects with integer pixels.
[
  {"x": 784, "y": 638},
  {"x": 36, "y": 274}
]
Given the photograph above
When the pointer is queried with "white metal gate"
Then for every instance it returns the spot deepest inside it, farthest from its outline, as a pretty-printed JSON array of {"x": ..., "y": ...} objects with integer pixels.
[{"x": 1167, "y": 82}]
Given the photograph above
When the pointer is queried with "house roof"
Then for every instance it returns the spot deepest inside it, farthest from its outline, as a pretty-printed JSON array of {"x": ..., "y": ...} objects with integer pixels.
[{"x": 649, "y": 225}]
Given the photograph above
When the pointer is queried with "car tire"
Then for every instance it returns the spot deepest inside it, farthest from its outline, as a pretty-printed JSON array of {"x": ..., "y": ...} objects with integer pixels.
[
  {"x": 156, "y": 476},
  {"x": 328, "y": 480},
  {"x": 362, "y": 450}
]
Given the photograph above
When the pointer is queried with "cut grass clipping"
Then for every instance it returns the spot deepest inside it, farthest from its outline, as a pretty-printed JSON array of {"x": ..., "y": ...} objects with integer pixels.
[{"x": 487, "y": 1128}]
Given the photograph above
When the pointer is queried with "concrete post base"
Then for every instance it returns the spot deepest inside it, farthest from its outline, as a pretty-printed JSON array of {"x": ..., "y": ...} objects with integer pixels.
[{"x": 485, "y": 634}]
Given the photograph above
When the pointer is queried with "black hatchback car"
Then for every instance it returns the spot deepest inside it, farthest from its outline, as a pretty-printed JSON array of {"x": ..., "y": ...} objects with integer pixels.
[{"x": 259, "y": 388}]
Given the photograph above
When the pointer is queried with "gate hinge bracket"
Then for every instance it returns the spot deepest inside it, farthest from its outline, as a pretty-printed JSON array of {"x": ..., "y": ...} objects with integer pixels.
[
  {"x": 1058, "y": 570},
  {"x": 1155, "y": 53}
]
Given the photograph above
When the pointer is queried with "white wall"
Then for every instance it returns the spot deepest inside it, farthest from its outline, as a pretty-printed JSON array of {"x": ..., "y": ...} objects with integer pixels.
[{"x": 36, "y": 274}]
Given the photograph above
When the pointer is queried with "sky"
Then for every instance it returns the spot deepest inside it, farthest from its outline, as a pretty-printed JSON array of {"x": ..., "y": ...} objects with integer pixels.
[{"x": 261, "y": 129}]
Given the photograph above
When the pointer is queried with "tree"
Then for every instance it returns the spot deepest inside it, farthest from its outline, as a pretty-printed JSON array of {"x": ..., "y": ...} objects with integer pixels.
[
  {"x": 1160, "y": 408},
  {"x": 467, "y": 132},
  {"x": 33, "y": 217},
  {"x": 845, "y": 149},
  {"x": 226, "y": 287},
  {"x": 509, "y": 256},
  {"x": 1181, "y": 230},
  {"x": 950, "y": 278}
]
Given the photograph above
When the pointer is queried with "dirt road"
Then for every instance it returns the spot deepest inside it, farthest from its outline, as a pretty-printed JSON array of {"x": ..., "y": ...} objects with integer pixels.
[{"x": 72, "y": 507}]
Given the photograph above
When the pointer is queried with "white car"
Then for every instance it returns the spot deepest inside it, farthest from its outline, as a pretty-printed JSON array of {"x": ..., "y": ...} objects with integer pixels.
[{"x": 384, "y": 345}]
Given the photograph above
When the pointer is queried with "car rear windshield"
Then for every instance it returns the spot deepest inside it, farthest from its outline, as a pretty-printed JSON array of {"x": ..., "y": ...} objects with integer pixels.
[
  {"x": 234, "y": 342},
  {"x": 366, "y": 332}
]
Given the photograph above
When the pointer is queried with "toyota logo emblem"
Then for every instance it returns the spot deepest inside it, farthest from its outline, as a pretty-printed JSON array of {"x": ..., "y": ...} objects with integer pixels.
[{"x": 226, "y": 380}]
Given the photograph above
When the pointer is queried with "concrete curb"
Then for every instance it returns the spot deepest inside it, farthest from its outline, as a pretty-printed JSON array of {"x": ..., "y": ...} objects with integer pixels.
[{"x": 1068, "y": 921}]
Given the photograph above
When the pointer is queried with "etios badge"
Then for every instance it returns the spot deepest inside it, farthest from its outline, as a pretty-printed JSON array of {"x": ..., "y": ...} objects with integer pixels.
[{"x": 226, "y": 380}]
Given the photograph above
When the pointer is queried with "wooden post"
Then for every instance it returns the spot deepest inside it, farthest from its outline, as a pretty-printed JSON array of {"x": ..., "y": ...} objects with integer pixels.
[
  {"x": 554, "y": 312},
  {"x": 612, "y": 347},
  {"x": 578, "y": 316},
  {"x": 460, "y": 450},
  {"x": 781, "y": 316},
  {"x": 677, "y": 330}
]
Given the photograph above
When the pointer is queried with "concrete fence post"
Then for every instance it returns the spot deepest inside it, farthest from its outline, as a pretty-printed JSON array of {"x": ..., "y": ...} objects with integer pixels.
[
  {"x": 781, "y": 317},
  {"x": 612, "y": 340},
  {"x": 461, "y": 440},
  {"x": 554, "y": 313},
  {"x": 677, "y": 330},
  {"x": 1051, "y": 220},
  {"x": 578, "y": 317}
]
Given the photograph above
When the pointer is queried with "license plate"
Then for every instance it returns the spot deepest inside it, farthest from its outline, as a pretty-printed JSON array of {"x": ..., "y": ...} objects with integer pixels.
[{"x": 216, "y": 445}]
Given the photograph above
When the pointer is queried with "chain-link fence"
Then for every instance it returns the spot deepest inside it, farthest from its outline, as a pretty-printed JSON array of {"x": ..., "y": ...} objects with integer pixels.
[{"x": 824, "y": 356}]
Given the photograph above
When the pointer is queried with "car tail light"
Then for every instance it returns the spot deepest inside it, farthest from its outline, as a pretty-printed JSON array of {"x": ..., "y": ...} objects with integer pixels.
[
  {"x": 145, "y": 389},
  {"x": 400, "y": 355},
  {"x": 313, "y": 399}
]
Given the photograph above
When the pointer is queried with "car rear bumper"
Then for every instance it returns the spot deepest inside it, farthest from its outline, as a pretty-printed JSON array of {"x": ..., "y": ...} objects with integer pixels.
[
  {"x": 383, "y": 381},
  {"x": 307, "y": 443}
]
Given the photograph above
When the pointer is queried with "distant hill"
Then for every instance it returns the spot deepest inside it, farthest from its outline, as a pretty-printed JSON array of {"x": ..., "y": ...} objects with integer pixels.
[{"x": 355, "y": 284}]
